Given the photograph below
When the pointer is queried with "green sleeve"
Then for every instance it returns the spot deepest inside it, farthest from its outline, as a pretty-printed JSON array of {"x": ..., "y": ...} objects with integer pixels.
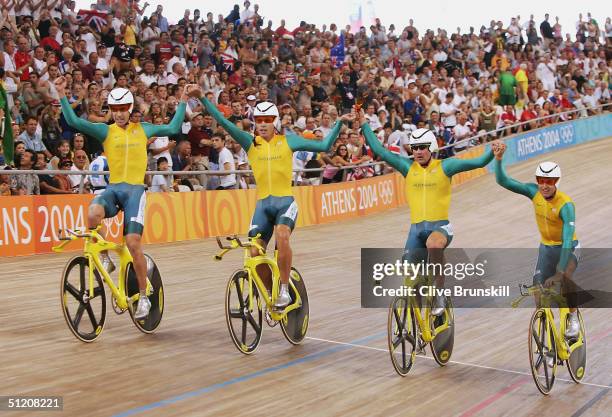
[
  {"x": 298, "y": 143},
  {"x": 452, "y": 166},
  {"x": 568, "y": 215},
  {"x": 529, "y": 190},
  {"x": 98, "y": 131},
  {"x": 245, "y": 139},
  {"x": 396, "y": 161},
  {"x": 170, "y": 129}
]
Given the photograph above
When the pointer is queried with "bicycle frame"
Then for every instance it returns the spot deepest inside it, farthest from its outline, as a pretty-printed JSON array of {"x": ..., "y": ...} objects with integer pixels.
[
  {"x": 250, "y": 265},
  {"x": 94, "y": 244},
  {"x": 547, "y": 297},
  {"x": 424, "y": 319}
]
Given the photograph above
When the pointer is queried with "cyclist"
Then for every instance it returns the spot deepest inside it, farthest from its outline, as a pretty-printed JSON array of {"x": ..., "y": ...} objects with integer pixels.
[
  {"x": 428, "y": 190},
  {"x": 555, "y": 215},
  {"x": 270, "y": 154},
  {"x": 125, "y": 146}
]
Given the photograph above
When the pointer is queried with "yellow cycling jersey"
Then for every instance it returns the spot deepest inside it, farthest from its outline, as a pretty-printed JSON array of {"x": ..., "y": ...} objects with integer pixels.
[
  {"x": 428, "y": 191},
  {"x": 126, "y": 152},
  {"x": 547, "y": 213},
  {"x": 272, "y": 164}
]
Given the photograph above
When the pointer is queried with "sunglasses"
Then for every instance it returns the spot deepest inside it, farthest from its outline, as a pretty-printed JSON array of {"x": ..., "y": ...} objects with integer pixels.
[
  {"x": 546, "y": 180},
  {"x": 119, "y": 107},
  {"x": 264, "y": 119},
  {"x": 419, "y": 147}
]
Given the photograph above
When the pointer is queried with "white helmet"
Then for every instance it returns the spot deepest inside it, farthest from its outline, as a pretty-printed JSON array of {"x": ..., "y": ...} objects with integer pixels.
[
  {"x": 549, "y": 170},
  {"x": 121, "y": 96},
  {"x": 266, "y": 108},
  {"x": 424, "y": 137}
]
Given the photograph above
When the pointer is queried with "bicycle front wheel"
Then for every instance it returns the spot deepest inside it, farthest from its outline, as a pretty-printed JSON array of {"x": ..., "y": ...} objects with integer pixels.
[
  {"x": 402, "y": 335},
  {"x": 243, "y": 314},
  {"x": 85, "y": 316},
  {"x": 542, "y": 351}
]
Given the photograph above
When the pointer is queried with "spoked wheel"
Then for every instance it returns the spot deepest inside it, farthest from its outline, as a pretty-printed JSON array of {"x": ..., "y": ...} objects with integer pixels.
[
  {"x": 402, "y": 335},
  {"x": 576, "y": 364},
  {"x": 85, "y": 316},
  {"x": 542, "y": 351},
  {"x": 244, "y": 316},
  {"x": 295, "y": 324},
  {"x": 156, "y": 296},
  {"x": 444, "y": 328}
]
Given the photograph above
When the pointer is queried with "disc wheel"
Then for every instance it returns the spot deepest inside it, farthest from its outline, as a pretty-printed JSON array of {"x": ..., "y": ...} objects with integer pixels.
[
  {"x": 576, "y": 364},
  {"x": 156, "y": 296},
  {"x": 542, "y": 351},
  {"x": 244, "y": 317},
  {"x": 85, "y": 316},
  {"x": 444, "y": 328},
  {"x": 402, "y": 335},
  {"x": 295, "y": 324}
]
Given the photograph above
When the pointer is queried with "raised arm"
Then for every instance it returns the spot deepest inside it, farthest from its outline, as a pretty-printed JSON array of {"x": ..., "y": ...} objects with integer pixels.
[
  {"x": 396, "y": 161},
  {"x": 526, "y": 189},
  {"x": 170, "y": 129},
  {"x": 98, "y": 131},
  {"x": 298, "y": 143},
  {"x": 568, "y": 215},
  {"x": 243, "y": 138},
  {"x": 452, "y": 166}
]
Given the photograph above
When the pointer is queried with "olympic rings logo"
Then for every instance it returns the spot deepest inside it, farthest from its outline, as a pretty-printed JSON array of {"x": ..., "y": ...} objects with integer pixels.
[{"x": 385, "y": 190}]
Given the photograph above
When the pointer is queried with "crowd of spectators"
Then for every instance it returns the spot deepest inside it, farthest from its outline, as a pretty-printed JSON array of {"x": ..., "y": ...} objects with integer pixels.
[{"x": 457, "y": 84}]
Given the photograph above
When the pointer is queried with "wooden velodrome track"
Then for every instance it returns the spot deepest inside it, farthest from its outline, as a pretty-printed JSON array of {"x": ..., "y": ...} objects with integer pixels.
[{"x": 190, "y": 366}]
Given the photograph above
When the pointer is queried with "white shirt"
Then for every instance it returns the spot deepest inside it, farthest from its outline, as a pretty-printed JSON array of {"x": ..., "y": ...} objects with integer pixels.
[
  {"x": 174, "y": 59},
  {"x": 225, "y": 156},
  {"x": 75, "y": 180},
  {"x": 99, "y": 164},
  {"x": 90, "y": 42},
  {"x": 448, "y": 108},
  {"x": 148, "y": 79},
  {"x": 373, "y": 121},
  {"x": 162, "y": 142},
  {"x": 545, "y": 72},
  {"x": 157, "y": 182},
  {"x": 398, "y": 139},
  {"x": 40, "y": 66}
]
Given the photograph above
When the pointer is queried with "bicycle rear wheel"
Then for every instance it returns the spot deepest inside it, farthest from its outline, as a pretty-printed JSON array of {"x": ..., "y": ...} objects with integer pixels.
[
  {"x": 76, "y": 302},
  {"x": 243, "y": 315},
  {"x": 402, "y": 335},
  {"x": 295, "y": 324},
  {"x": 156, "y": 297},
  {"x": 444, "y": 328},
  {"x": 576, "y": 364},
  {"x": 542, "y": 351}
]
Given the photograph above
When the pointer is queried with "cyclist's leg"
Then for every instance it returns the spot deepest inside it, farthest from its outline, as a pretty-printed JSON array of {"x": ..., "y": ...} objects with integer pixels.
[
  {"x": 103, "y": 206},
  {"x": 262, "y": 224},
  {"x": 284, "y": 224},
  {"x": 438, "y": 239},
  {"x": 133, "y": 199},
  {"x": 545, "y": 267},
  {"x": 569, "y": 288},
  {"x": 286, "y": 215}
]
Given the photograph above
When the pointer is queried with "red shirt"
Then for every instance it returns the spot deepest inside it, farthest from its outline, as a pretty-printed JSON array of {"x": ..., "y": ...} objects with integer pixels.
[
  {"x": 22, "y": 58},
  {"x": 528, "y": 115},
  {"x": 508, "y": 116},
  {"x": 164, "y": 51},
  {"x": 49, "y": 42}
]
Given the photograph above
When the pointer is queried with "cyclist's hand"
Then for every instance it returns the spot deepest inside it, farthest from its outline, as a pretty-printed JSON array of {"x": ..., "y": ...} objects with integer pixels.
[
  {"x": 60, "y": 86},
  {"x": 553, "y": 280},
  {"x": 499, "y": 148}
]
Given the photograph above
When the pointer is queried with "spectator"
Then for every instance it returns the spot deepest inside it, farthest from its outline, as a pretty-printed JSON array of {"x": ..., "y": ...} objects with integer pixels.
[
  {"x": 226, "y": 163},
  {"x": 25, "y": 184},
  {"x": 31, "y": 138},
  {"x": 80, "y": 164},
  {"x": 332, "y": 172},
  {"x": 161, "y": 183}
]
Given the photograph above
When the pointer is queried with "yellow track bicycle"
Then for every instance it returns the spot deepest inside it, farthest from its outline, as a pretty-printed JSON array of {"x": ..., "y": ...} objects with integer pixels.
[
  {"x": 245, "y": 291},
  {"x": 82, "y": 290},
  {"x": 548, "y": 346},
  {"x": 411, "y": 326}
]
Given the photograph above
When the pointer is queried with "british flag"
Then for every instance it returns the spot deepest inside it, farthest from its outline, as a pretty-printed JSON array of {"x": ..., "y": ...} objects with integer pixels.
[
  {"x": 93, "y": 18},
  {"x": 228, "y": 61}
]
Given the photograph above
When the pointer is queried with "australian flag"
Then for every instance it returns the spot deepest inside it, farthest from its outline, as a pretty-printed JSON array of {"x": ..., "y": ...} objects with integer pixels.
[{"x": 337, "y": 53}]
